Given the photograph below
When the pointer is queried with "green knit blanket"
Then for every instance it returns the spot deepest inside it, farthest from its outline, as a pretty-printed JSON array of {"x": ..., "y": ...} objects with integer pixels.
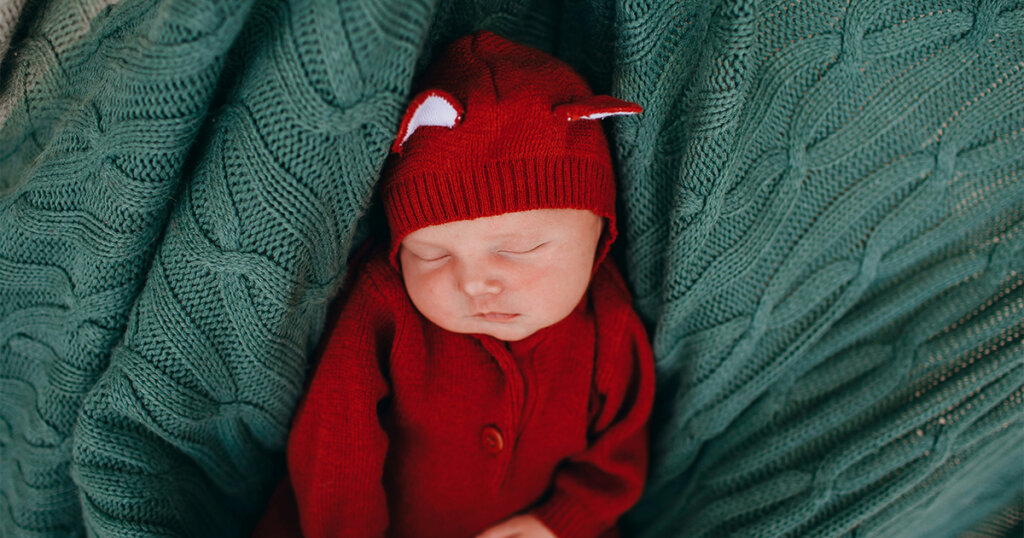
[{"x": 823, "y": 224}]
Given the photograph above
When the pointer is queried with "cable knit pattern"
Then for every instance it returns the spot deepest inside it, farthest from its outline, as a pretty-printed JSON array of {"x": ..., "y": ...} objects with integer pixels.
[
  {"x": 9, "y": 11},
  {"x": 840, "y": 310},
  {"x": 47, "y": 32},
  {"x": 822, "y": 219}
]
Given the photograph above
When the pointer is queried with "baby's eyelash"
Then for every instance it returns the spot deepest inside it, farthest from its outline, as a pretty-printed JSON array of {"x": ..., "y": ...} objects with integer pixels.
[
  {"x": 527, "y": 251},
  {"x": 424, "y": 258}
]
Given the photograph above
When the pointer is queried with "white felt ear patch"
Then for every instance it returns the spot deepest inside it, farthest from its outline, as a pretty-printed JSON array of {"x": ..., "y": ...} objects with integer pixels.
[
  {"x": 429, "y": 108},
  {"x": 597, "y": 107},
  {"x": 599, "y": 115}
]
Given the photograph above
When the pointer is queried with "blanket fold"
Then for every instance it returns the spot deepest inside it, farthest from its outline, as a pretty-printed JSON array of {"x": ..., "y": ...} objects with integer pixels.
[{"x": 821, "y": 215}]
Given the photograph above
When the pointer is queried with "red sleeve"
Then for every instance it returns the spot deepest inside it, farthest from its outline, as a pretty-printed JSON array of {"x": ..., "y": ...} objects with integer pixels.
[
  {"x": 593, "y": 488},
  {"x": 337, "y": 444}
]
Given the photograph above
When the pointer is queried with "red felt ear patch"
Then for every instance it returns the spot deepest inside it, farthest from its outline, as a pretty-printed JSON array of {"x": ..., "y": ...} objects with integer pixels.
[
  {"x": 597, "y": 107},
  {"x": 429, "y": 108}
]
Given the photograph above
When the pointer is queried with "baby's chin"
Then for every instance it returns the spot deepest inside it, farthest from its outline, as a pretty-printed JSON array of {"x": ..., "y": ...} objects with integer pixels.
[{"x": 510, "y": 335}]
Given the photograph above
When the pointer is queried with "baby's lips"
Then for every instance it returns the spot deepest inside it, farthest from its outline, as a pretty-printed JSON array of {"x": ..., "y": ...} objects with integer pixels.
[{"x": 496, "y": 316}]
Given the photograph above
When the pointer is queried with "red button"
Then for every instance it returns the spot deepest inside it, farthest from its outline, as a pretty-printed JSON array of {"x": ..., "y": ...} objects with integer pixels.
[{"x": 492, "y": 440}]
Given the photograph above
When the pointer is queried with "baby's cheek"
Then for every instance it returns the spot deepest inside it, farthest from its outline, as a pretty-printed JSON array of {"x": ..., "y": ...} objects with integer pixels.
[
  {"x": 570, "y": 284},
  {"x": 442, "y": 292},
  {"x": 548, "y": 288},
  {"x": 420, "y": 289},
  {"x": 533, "y": 279}
]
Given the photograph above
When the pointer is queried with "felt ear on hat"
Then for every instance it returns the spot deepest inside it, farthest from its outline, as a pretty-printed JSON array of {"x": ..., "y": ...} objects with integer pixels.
[
  {"x": 428, "y": 108},
  {"x": 596, "y": 107}
]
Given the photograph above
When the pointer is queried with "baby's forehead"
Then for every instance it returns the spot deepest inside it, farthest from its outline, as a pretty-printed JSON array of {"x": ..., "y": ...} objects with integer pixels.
[{"x": 520, "y": 225}]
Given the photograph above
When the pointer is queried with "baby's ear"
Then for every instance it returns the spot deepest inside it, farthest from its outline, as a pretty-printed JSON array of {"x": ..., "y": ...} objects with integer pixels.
[
  {"x": 429, "y": 108},
  {"x": 596, "y": 107}
]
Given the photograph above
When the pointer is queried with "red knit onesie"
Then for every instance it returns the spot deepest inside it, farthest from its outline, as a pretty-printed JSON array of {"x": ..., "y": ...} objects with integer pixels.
[{"x": 409, "y": 430}]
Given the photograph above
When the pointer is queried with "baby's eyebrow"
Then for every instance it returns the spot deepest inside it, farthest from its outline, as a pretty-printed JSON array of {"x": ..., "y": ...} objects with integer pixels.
[
  {"x": 422, "y": 245},
  {"x": 523, "y": 234},
  {"x": 522, "y": 240}
]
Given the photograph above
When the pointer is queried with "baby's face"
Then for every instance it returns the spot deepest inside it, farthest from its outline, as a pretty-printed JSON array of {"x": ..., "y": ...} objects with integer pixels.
[{"x": 507, "y": 276}]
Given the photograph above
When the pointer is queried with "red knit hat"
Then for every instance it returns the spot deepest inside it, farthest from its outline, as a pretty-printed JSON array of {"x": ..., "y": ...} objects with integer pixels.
[{"x": 500, "y": 128}]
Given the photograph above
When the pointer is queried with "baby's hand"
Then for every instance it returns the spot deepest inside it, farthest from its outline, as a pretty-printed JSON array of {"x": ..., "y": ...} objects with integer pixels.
[{"x": 524, "y": 526}]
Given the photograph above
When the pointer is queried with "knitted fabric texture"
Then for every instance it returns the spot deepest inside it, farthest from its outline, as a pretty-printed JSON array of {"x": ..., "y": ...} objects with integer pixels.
[
  {"x": 9, "y": 11},
  {"x": 820, "y": 217},
  {"x": 512, "y": 147}
]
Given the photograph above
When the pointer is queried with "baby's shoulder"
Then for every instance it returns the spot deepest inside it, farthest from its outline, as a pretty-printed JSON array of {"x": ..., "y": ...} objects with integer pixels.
[
  {"x": 371, "y": 269},
  {"x": 611, "y": 300},
  {"x": 609, "y": 284},
  {"x": 621, "y": 336},
  {"x": 373, "y": 290}
]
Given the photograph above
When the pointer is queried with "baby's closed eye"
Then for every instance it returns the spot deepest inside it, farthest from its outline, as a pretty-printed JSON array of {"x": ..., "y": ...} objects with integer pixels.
[
  {"x": 428, "y": 255},
  {"x": 526, "y": 249}
]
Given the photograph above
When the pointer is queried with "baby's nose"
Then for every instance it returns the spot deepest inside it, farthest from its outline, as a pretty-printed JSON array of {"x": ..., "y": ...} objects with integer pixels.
[{"x": 475, "y": 286}]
